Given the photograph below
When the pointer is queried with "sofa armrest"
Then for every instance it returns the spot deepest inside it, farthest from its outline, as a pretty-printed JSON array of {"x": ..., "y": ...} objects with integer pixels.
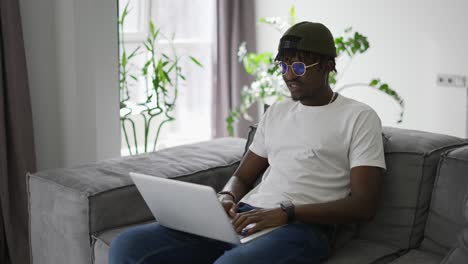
[{"x": 69, "y": 205}]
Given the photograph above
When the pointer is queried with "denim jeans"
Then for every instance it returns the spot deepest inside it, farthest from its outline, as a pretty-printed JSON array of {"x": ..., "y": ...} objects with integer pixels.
[{"x": 152, "y": 243}]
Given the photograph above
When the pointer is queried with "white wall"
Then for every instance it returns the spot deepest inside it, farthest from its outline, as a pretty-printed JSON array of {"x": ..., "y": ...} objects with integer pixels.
[
  {"x": 411, "y": 41},
  {"x": 71, "y": 48},
  {"x": 71, "y": 52}
]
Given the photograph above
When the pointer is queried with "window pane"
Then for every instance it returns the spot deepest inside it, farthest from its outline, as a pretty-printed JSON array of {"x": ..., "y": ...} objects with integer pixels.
[
  {"x": 193, "y": 24},
  {"x": 188, "y": 19},
  {"x": 135, "y": 19}
]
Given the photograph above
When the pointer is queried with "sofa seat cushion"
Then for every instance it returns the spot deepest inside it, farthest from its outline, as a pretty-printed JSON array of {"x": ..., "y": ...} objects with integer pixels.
[
  {"x": 102, "y": 241},
  {"x": 359, "y": 251},
  {"x": 356, "y": 251},
  {"x": 459, "y": 253},
  {"x": 418, "y": 257}
]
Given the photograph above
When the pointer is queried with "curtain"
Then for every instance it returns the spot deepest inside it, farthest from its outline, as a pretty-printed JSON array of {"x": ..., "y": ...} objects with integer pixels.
[
  {"x": 17, "y": 155},
  {"x": 235, "y": 24}
]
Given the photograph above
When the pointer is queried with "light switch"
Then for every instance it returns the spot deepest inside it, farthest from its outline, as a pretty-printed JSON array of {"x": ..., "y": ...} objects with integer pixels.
[{"x": 451, "y": 80}]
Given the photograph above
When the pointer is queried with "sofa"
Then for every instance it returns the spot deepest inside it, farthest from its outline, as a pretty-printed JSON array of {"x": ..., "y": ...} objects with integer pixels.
[{"x": 422, "y": 215}]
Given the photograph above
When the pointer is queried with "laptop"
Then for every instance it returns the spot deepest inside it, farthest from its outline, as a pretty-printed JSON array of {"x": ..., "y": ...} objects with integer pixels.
[{"x": 190, "y": 208}]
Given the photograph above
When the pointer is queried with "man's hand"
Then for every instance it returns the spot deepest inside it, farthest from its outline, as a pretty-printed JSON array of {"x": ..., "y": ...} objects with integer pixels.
[
  {"x": 262, "y": 218},
  {"x": 228, "y": 204}
]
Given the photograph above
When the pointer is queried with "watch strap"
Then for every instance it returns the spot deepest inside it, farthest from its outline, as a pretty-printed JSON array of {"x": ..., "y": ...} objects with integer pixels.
[
  {"x": 230, "y": 194},
  {"x": 289, "y": 207}
]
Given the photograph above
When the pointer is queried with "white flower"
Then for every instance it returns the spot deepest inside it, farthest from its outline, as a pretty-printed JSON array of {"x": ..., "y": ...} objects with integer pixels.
[
  {"x": 242, "y": 52},
  {"x": 255, "y": 86},
  {"x": 279, "y": 23}
]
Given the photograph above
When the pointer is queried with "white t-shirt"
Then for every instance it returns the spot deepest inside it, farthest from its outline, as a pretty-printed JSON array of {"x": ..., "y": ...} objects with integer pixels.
[{"x": 311, "y": 150}]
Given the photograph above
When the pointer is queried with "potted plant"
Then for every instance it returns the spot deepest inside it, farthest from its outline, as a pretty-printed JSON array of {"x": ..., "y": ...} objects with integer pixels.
[
  {"x": 269, "y": 85},
  {"x": 162, "y": 75}
]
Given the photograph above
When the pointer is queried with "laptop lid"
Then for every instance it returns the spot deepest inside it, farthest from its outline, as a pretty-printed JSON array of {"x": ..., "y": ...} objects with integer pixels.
[{"x": 186, "y": 207}]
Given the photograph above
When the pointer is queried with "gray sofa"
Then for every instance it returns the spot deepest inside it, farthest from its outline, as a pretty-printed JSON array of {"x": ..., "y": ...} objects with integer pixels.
[{"x": 422, "y": 216}]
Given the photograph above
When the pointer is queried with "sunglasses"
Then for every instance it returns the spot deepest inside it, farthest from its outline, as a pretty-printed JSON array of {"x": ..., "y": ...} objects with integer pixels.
[{"x": 298, "y": 67}]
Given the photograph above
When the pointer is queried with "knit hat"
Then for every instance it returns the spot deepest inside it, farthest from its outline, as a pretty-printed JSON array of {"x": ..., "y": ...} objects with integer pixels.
[{"x": 309, "y": 36}]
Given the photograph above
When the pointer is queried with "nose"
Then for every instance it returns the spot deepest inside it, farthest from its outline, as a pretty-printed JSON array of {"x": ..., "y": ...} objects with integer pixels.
[{"x": 289, "y": 75}]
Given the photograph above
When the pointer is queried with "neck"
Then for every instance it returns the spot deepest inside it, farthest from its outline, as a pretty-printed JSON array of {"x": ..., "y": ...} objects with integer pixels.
[{"x": 319, "y": 99}]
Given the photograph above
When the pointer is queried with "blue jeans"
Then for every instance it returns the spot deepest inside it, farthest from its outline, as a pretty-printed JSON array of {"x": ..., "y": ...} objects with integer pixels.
[{"x": 152, "y": 243}]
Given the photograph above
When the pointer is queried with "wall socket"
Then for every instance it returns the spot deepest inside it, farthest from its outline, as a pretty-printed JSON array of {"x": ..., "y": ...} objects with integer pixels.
[{"x": 451, "y": 80}]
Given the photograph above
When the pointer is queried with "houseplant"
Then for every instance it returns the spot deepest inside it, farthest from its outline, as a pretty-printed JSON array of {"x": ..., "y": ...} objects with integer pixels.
[
  {"x": 269, "y": 85},
  {"x": 162, "y": 75}
]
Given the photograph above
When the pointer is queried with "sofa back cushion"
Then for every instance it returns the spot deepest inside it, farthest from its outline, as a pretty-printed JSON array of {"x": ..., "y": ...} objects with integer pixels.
[
  {"x": 108, "y": 195},
  {"x": 411, "y": 158},
  {"x": 445, "y": 220},
  {"x": 459, "y": 253}
]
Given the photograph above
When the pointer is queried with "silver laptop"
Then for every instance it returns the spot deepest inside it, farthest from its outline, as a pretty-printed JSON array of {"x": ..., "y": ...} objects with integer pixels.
[{"x": 190, "y": 208}]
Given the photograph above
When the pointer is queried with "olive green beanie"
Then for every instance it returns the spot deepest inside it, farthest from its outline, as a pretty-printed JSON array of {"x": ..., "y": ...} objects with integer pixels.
[{"x": 309, "y": 36}]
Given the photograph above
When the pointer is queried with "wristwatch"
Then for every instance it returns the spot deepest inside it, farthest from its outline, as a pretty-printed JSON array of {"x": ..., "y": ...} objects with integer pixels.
[{"x": 288, "y": 207}]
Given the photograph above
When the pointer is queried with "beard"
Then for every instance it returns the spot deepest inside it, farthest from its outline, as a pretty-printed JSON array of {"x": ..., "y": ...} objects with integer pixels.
[{"x": 296, "y": 97}]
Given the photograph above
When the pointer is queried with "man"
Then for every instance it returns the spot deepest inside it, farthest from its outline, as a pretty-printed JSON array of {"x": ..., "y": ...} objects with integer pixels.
[{"x": 320, "y": 155}]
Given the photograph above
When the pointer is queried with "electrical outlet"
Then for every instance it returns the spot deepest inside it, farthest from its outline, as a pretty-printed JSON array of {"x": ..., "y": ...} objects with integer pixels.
[{"x": 451, "y": 80}]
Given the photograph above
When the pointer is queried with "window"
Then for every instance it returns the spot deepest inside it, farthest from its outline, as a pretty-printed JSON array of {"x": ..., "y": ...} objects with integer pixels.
[{"x": 192, "y": 22}]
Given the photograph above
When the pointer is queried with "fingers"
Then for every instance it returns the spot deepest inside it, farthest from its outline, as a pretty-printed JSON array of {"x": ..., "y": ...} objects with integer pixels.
[
  {"x": 257, "y": 227},
  {"x": 229, "y": 206},
  {"x": 244, "y": 219},
  {"x": 261, "y": 218},
  {"x": 239, "y": 215},
  {"x": 248, "y": 220},
  {"x": 233, "y": 210}
]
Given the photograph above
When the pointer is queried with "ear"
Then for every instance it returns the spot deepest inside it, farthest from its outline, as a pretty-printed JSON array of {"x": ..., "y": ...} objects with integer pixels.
[
  {"x": 329, "y": 66},
  {"x": 326, "y": 69}
]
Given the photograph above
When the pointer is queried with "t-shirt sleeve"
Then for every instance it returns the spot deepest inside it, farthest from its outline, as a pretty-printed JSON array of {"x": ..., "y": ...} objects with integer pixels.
[
  {"x": 366, "y": 147},
  {"x": 258, "y": 143}
]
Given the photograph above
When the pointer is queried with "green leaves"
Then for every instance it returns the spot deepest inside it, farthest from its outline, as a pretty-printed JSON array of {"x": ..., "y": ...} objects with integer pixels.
[
  {"x": 268, "y": 82},
  {"x": 381, "y": 86},
  {"x": 253, "y": 61},
  {"x": 123, "y": 62},
  {"x": 144, "y": 69},
  {"x": 153, "y": 31},
  {"x": 385, "y": 88},
  {"x": 152, "y": 28},
  {"x": 351, "y": 43},
  {"x": 374, "y": 82},
  {"x": 162, "y": 76},
  {"x": 332, "y": 78},
  {"x": 233, "y": 116},
  {"x": 359, "y": 43},
  {"x": 292, "y": 15},
  {"x": 124, "y": 14},
  {"x": 133, "y": 77},
  {"x": 196, "y": 61}
]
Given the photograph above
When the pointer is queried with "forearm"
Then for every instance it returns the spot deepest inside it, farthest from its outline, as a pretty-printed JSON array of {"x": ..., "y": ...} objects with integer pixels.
[
  {"x": 351, "y": 209},
  {"x": 238, "y": 187}
]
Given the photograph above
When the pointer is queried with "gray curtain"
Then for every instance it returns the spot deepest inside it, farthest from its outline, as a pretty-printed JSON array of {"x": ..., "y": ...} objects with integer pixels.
[
  {"x": 235, "y": 24},
  {"x": 16, "y": 138}
]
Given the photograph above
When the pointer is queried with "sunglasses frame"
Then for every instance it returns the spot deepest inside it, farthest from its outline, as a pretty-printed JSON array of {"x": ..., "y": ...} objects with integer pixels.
[{"x": 292, "y": 69}]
